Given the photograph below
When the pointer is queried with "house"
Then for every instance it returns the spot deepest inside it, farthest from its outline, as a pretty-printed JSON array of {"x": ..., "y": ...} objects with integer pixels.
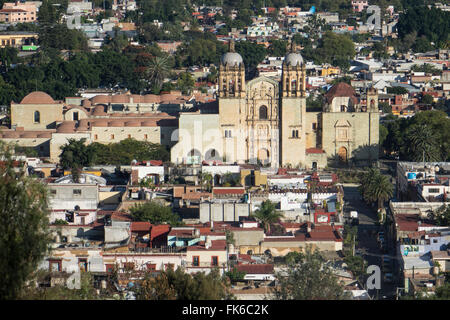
[
  {"x": 17, "y": 12},
  {"x": 73, "y": 196},
  {"x": 18, "y": 39},
  {"x": 257, "y": 272},
  {"x": 153, "y": 170},
  {"x": 207, "y": 255},
  {"x": 442, "y": 258}
]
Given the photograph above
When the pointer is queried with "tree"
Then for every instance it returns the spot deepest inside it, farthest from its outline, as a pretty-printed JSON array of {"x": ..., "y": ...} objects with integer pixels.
[
  {"x": 385, "y": 107},
  {"x": 157, "y": 70},
  {"x": 206, "y": 180},
  {"x": 278, "y": 48},
  {"x": 75, "y": 155},
  {"x": 422, "y": 143},
  {"x": 234, "y": 275},
  {"x": 185, "y": 82},
  {"x": 155, "y": 213},
  {"x": 309, "y": 279},
  {"x": 427, "y": 99},
  {"x": 397, "y": 90},
  {"x": 127, "y": 150},
  {"x": 376, "y": 187},
  {"x": 60, "y": 292},
  {"x": 335, "y": 49},
  {"x": 252, "y": 55},
  {"x": 178, "y": 285},
  {"x": 24, "y": 223},
  {"x": 432, "y": 23},
  {"x": 442, "y": 215},
  {"x": 384, "y": 132},
  {"x": 267, "y": 214}
]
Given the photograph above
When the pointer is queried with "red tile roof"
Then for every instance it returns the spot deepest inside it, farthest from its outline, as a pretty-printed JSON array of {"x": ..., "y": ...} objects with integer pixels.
[
  {"x": 341, "y": 89},
  {"x": 228, "y": 191},
  {"x": 159, "y": 230},
  {"x": 409, "y": 222},
  {"x": 140, "y": 226},
  {"x": 255, "y": 268},
  {"x": 216, "y": 245},
  {"x": 37, "y": 97}
]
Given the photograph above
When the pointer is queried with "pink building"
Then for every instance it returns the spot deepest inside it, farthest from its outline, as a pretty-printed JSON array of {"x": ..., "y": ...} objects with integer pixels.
[
  {"x": 18, "y": 12},
  {"x": 359, "y": 5}
]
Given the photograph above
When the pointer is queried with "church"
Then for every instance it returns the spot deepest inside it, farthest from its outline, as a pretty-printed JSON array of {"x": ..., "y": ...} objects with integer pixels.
[{"x": 264, "y": 121}]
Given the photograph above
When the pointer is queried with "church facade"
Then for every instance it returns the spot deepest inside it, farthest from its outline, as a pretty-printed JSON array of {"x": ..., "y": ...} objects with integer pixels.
[{"x": 264, "y": 121}]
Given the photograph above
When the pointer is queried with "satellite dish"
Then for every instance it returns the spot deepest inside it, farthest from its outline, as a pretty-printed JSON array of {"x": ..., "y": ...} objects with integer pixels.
[{"x": 133, "y": 162}]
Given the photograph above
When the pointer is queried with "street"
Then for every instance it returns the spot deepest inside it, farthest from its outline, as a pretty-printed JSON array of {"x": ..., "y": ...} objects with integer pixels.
[{"x": 367, "y": 243}]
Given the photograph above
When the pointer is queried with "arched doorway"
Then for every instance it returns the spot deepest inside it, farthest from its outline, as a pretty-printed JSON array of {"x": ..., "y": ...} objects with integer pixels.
[
  {"x": 193, "y": 157},
  {"x": 212, "y": 154},
  {"x": 342, "y": 153},
  {"x": 217, "y": 180}
]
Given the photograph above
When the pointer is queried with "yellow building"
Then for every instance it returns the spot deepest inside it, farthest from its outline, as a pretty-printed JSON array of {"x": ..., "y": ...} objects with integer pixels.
[
  {"x": 17, "y": 38},
  {"x": 264, "y": 121}
]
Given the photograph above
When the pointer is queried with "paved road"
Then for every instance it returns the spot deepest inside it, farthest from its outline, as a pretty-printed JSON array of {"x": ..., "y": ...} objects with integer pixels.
[{"x": 368, "y": 245}]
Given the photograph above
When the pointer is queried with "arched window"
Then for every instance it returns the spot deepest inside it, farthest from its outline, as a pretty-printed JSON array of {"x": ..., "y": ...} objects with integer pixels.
[
  {"x": 293, "y": 85},
  {"x": 263, "y": 112},
  {"x": 37, "y": 117}
]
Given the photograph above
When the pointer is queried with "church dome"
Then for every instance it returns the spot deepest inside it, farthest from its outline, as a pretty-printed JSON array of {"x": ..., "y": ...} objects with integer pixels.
[
  {"x": 293, "y": 59},
  {"x": 37, "y": 97},
  {"x": 231, "y": 59}
]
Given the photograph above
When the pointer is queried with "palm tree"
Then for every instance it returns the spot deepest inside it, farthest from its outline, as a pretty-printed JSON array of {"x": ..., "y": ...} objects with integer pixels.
[
  {"x": 206, "y": 180},
  {"x": 422, "y": 143},
  {"x": 376, "y": 187},
  {"x": 267, "y": 214},
  {"x": 158, "y": 70}
]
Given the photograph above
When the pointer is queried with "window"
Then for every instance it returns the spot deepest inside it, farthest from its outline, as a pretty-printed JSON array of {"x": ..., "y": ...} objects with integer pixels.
[
  {"x": 75, "y": 116},
  {"x": 214, "y": 260},
  {"x": 227, "y": 133},
  {"x": 263, "y": 112},
  {"x": 213, "y": 153},
  {"x": 109, "y": 268},
  {"x": 433, "y": 190},
  {"x": 53, "y": 191},
  {"x": 37, "y": 117},
  {"x": 145, "y": 136},
  {"x": 54, "y": 265},
  {"x": 343, "y": 107},
  {"x": 151, "y": 266},
  {"x": 314, "y": 126},
  {"x": 196, "y": 261},
  {"x": 77, "y": 191},
  {"x": 112, "y": 137},
  {"x": 129, "y": 136},
  {"x": 82, "y": 263},
  {"x": 294, "y": 133},
  {"x": 95, "y": 137}
]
